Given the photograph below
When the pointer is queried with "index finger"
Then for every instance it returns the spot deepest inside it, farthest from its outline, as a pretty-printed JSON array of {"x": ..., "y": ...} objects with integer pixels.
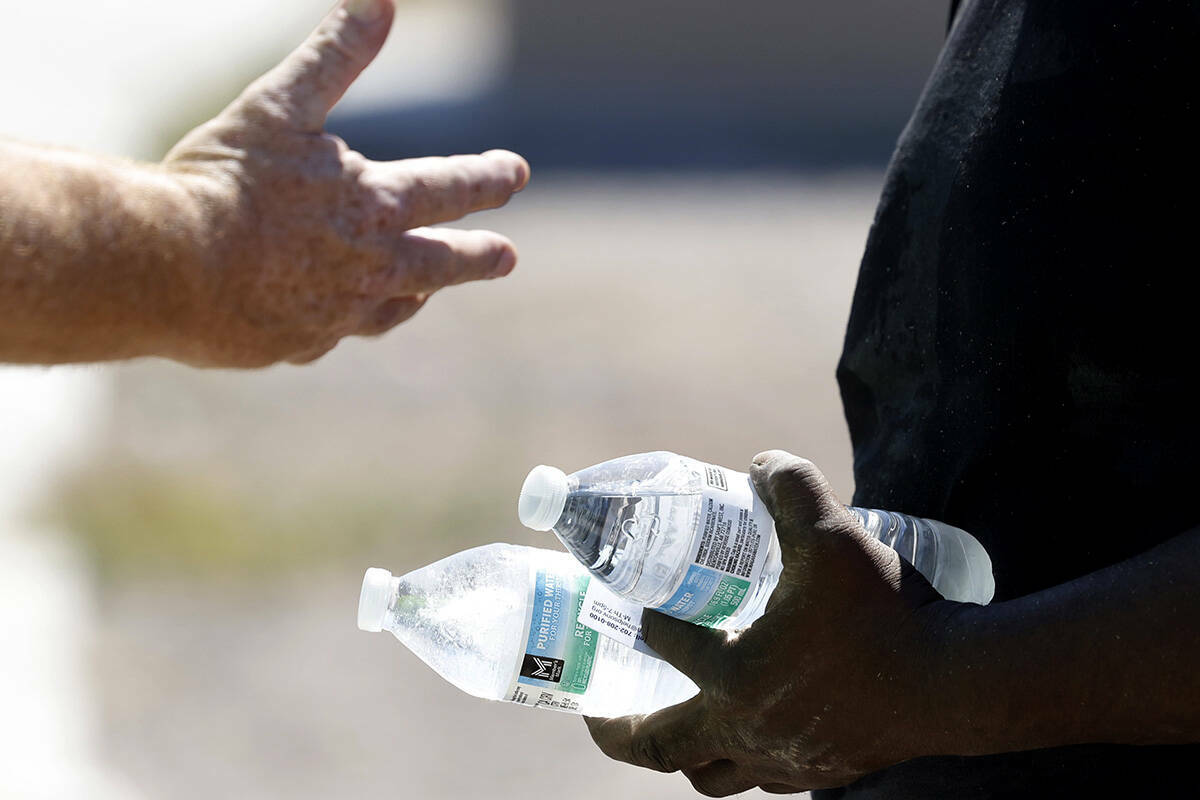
[
  {"x": 696, "y": 651},
  {"x": 675, "y": 738},
  {"x": 433, "y": 190}
]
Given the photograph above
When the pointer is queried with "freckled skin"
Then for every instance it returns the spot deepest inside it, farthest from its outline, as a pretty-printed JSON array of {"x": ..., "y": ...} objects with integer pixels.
[{"x": 258, "y": 239}]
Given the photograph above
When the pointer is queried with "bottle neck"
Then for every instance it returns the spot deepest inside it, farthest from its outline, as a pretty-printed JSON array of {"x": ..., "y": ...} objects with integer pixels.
[{"x": 394, "y": 605}]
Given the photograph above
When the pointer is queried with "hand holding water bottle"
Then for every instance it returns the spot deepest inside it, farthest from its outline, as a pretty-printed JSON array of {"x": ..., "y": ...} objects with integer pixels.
[{"x": 828, "y": 685}]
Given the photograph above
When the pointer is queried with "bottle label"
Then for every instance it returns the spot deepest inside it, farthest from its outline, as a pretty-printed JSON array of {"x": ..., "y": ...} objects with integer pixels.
[
  {"x": 614, "y": 616},
  {"x": 726, "y": 559},
  {"x": 560, "y": 651},
  {"x": 728, "y": 552}
]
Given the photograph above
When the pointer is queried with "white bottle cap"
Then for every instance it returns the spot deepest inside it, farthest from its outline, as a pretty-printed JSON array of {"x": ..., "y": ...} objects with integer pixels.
[
  {"x": 543, "y": 496},
  {"x": 374, "y": 599}
]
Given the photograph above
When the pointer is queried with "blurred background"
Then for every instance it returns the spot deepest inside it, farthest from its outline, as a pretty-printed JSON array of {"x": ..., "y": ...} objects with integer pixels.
[{"x": 181, "y": 550}]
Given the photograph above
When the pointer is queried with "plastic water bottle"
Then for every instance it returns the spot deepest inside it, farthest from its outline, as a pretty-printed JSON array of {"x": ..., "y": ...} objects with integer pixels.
[
  {"x": 694, "y": 541},
  {"x": 501, "y": 622}
]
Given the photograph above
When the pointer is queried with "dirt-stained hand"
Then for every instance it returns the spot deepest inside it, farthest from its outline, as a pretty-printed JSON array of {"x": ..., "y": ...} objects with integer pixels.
[
  {"x": 826, "y": 687},
  {"x": 305, "y": 241}
]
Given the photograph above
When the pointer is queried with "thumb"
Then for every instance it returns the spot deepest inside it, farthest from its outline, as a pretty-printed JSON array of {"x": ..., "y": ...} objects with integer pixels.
[
  {"x": 792, "y": 488},
  {"x": 314, "y": 76},
  {"x": 800, "y": 500},
  {"x": 694, "y": 650}
]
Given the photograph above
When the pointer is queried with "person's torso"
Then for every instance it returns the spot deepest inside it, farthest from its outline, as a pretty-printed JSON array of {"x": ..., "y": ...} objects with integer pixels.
[{"x": 1019, "y": 354}]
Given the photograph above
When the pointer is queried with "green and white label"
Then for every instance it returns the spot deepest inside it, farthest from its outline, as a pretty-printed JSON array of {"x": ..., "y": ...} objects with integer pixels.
[
  {"x": 614, "y": 616},
  {"x": 727, "y": 553},
  {"x": 560, "y": 651},
  {"x": 725, "y": 560}
]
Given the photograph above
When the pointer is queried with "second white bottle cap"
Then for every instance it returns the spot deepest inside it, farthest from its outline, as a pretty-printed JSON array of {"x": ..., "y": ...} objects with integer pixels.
[{"x": 543, "y": 496}]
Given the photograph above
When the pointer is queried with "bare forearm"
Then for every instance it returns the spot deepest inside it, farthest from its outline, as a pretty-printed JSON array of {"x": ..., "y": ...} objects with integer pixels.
[
  {"x": 1111, "y": 657},
  {"x": 94, "y": 256},
  {"x": 858, "y": 664},
  {"x": 258, "y": 239}
]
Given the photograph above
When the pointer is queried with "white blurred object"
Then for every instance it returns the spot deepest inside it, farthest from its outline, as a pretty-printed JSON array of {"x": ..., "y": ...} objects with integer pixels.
[
  {"x": 108, "y": 75},
  {"x": 48, "y": 419},
  {"x": 438, "y": 49}
]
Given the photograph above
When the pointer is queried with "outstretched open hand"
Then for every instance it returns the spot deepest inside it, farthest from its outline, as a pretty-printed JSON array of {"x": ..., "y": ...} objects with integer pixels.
[
  {"x": 305, "y": 240},
  {"x": 826, "y": 687}
]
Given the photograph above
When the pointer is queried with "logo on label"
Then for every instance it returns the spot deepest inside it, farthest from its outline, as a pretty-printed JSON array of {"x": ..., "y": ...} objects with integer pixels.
[{"x": 542, "y": 668}]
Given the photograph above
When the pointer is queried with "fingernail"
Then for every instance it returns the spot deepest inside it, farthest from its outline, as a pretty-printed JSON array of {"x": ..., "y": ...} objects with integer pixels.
[
  {"x": 366, "y": 10},
  {"x": 524, "y": 174},
  {"x": 523, "y": 170},
  {"x": 505, "y": 264}
]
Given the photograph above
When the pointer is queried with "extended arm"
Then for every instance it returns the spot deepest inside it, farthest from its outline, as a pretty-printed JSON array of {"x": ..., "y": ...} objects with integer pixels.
[
  {"x": 259, "y": 238},
  {"x": 858, "y": 664},
  {"x": 1112, "y": 657},
  {"x": 96, "y": 256}
]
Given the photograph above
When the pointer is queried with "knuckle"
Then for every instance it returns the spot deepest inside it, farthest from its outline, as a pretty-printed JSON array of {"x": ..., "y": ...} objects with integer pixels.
[
  {"x": 423, "y": 264},
  {"x": 600, "y": 729},
  {"x": 417, "y": 186},
  {"x": 338, "y": 46},
  {"x": 263, "y": 108},
  {"x": 796, "y": 470},
  {"x": 223, "y": 132},
  {"x": 459, "y": 192},
  {"x": 410, "y": 196},
  {"x": 799, "y": 486},
  {"x": 764, "y": 459},
  {"x": 392, "y": 313},
  {"x": 355, "y": 171},
  {"x": 336, "y": 142},
  {"x": 648, "y": 752},
  {"x": 375, "y": 283},
  {"x": 708, "y": 786},
  {"x": 334, "y": 149}
]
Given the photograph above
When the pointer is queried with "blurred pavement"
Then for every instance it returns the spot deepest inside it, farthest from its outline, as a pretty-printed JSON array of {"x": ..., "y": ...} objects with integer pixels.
[
  {"x": 193, "y": 633},
  {"x": 48, "y": 728},
  {"x": 90, "y": 74},
  {"x": 698, "y": 315}
]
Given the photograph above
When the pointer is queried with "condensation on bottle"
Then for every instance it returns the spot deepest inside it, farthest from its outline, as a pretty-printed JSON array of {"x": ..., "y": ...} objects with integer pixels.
[
  {"x": 501, "y": 622},
  {"x": 694, "y": 540}
]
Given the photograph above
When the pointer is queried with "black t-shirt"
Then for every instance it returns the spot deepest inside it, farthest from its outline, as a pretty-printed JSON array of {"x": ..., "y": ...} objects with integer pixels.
[{"x": 1020, "y": 354}]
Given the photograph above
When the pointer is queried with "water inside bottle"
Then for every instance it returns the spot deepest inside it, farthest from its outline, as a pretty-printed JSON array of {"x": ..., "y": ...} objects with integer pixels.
[{"x": 636, "y": 545}]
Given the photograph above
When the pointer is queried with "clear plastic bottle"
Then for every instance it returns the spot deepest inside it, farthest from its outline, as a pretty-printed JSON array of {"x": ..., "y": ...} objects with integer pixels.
[
  {"x": 501, "y": 622},
  {"x": 694, "y": 540}
]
